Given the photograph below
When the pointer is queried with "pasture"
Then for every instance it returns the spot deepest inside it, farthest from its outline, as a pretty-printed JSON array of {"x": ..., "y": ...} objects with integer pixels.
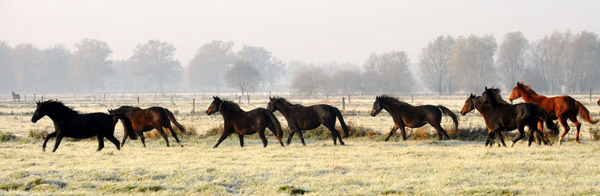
[{"x": 365, "y": 166}]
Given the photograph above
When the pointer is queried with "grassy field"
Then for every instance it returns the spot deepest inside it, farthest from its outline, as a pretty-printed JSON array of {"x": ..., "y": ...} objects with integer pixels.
[{"x": 362, "y": 167}]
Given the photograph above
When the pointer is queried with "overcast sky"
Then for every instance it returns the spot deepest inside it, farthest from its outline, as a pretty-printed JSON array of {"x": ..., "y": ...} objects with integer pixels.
[{"x": 314, "y": 31}]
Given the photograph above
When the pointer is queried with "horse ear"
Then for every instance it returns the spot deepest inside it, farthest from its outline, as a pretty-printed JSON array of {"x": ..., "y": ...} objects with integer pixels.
[{"x": 485, "y": 87}]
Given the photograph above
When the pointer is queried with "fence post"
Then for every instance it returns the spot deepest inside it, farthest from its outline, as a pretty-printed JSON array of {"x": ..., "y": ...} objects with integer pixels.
[
  {"x": 239, "y": 99},
  {"x": 138, "y": 100},
  {"x": 94, "y": 98},
  {"x": 193, "y": 105},
  {"x": 348, "y": 99},
  {"x": 42, "y": 98},
  {"x": 590, "y": 95},
  {"x": 248, "y": 98},
  {"x": 412, "y": 99},
  {"x": 344, "y": 103}
]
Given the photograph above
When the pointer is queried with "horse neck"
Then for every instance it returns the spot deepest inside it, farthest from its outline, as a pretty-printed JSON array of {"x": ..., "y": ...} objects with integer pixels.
[
  {"x": 226, "y": 110},
  {"x": 484, "y": 110},
  {"x": 530, "y": 96},
  {"x": 60, "y": 115},
  {"x": 388, "y": 107},
  {"x": 285, "y": 109}
]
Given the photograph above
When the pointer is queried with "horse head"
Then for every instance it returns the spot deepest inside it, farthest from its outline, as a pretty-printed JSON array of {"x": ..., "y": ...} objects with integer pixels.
[{"x": 215, "y": 106}]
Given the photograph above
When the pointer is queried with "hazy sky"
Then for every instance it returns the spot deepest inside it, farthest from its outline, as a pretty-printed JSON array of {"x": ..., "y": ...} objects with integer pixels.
[{"x": 314, "y": 31}]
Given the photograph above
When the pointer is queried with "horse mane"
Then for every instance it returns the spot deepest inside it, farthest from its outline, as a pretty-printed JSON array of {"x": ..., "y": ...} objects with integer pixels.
[
  {"x": 527, "y": 87},
  {"x": 286, "y": 102},
  {"x": 233, "y": 105},
  {"x": 494, "y": 96},
  {"x": 58, "y": 107},
  {"x": 128, "y": 107},
  {"x": 391, "y": 100}
]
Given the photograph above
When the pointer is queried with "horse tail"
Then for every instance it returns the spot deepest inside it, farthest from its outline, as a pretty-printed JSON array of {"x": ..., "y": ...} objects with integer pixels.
[
  {"x": 275, "y": 123},
  {"x": 127, "y": 128},
  {"x": 584, "y": 112},
  {"x": 342, "y": 123},
  {"x": 173, "y": 120},
  {"x": 446, "y": 111},
  {"x": 549, "y": 123}
]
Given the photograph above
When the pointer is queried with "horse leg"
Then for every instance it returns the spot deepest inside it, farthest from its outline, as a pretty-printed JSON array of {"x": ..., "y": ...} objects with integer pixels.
[
  {"x": 174, "y": 134},
  {"x": 162, "y": 132},
  {"x": 143, "y": 139},
  {"x": 403, "y": 131},
  {"x": 114, "y": 140},
  {"x": 491, "y": 135},
  {"x": 241, "y": 140},
  {"x": 223, "y": 137},
  {"x": 273, "y": 130},
  {"x": 531, "y": 131},
  {"x": 521, "y": 135},
  {"x": 301, "y": 136},
  {"x": 57, "y": 142},
  {"x": 124, "y": 138},
  {"x": 100, "y": 142},
  {"x": 440, "y": 130},
  {"x": 501, "y": 139},
  {"x": 46, "y": 140},
  {"x": 292, "y": 132},
  {"x": 563, "y": 122},
  {"x": 261, "y": 134},
  {"x": 578, "y": 125},
  {"x": 392, "y": 132},
  {"x": 542, "y": 135},
  {"x": 335, "y": 134}
]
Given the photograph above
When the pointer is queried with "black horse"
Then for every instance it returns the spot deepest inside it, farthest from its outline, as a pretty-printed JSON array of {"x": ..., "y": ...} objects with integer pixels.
[
  {"x": 15, "y": 96},
  {"x": 69, "y": 123},
  {"x": 499, "y": 116},
  {"x": 405, "y": 114},
  {"x": 244, "y": 123},
  {"x": 143, "y": 120},
  {"x": 306, "y": 118}
]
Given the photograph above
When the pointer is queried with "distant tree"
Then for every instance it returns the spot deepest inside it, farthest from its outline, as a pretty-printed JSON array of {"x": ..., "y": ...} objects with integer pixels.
[
  {"x": 433, "y": 63},
  {"x": 472, "y": 62},
  {"x": 548, "y": 56},
  {"x": 346, "y": 82},
  {"x": 389, "y": 72},
  {"x": 270, "y": 68},
  {"x": 25, "y": 61},
  {"x": 512, "y": 57},
  {"x": 7, "y": 73},
  {"x": 243, "y": 76},
  {"x": 154, "y": 61},
  {"x": 210, "y": 63},
  {"x": 123, "y": 80},
  {"x": 90, "y": 63},
  {"x": 54, "y": 63},
  {"x": 309, "y": 80},
  {"x": 582, "y": 66}
]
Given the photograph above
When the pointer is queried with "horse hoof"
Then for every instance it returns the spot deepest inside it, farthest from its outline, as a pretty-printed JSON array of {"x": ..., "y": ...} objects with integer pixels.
[{"x": 513, "y": 144}]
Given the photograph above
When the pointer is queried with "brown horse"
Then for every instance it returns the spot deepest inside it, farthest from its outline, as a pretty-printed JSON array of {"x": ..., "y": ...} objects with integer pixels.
[
  {"x": 560, "y": 107},
  {"x": 245, "y": 123},
  {"x": 405, "y": 115},
  {"x": 143, "y": 120}
]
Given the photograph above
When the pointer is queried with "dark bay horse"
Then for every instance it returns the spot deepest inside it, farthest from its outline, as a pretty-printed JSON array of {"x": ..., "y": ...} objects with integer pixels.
[
  {"x": 497, "y": 121},
  {"x": 143, "y": 120},
  {"x": 69, "y": 123},
  {"x": 306, "y": 118},
  {"x": 405, "y": 114},
  {"x": 560, "y": 107},
  {"x": 244, "y": 123}
]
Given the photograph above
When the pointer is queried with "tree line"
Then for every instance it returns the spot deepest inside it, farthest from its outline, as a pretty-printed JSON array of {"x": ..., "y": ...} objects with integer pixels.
[{"x": 562, "y": 62}]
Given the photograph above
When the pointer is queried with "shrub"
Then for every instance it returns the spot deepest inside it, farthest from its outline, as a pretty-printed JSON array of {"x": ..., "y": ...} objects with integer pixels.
[
  {"x": 38, "y": 134},
  {"x": 7, "y": 136}
]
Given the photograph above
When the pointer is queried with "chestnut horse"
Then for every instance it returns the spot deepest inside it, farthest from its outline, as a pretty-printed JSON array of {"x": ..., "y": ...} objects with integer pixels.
[
  {"x": 405, "y": 114},
  {"x": 560, "y": 107},
  {"x": 143, "y": 120},
  {"x": 244, "y": 123},
  {"x": 500, "y": 116}
]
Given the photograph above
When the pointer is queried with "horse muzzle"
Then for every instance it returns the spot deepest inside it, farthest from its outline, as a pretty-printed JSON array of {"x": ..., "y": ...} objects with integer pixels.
[{"x": 373, "y": 112}]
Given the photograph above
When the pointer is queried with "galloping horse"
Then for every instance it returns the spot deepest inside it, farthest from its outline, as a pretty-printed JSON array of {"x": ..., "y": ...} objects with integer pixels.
[
  {"x": 143, "y": 120},
  {"x": 306, "y": 118},
  {"x": 69, "y": 123},
  {"x": 500, "y": 116},
  {"x": 16, "y": 97},
  {"x": 244, "y": 123},
  {"x": 405, "y": 114},
  {"x": 561, "y": 107}
]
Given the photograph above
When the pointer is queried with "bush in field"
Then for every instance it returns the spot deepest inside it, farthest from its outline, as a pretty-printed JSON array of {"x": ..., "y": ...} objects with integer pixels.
[
  {"x": 7, "y": 136},
  {"x": 38, "y": 134},
  {"x": 189, "y": 131},
  {"x": 594, "y": 134}
]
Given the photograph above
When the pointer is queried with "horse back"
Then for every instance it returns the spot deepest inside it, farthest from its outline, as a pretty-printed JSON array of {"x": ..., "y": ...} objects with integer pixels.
[{"x": 88, "y": 125}]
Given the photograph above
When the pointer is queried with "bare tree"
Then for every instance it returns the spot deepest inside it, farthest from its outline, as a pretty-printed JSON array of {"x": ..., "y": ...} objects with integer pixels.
[
  {"x": 512, "y": 57},
  {"x": 7, "y": 73},
  {"x": 25, "y": 60},
  {"x": 270, "y": 68},
  {"x": 243, "y": 76},
  {"x": 582, "y": 62},
  {"x": 90, "y": 62},
  {"x": 548, "y": 56},
  {"x": 309, "y": 80},
  {"x": 472, "y": 62},
  {"x": 389, "y": 72},
  {"x": 210, "y": 63},
  {"x": 54, "y": 63},
  {"x": 154, "y": 61},
  {"x": 346, "y": 81},
  {"x": 433, "y": 63}
]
